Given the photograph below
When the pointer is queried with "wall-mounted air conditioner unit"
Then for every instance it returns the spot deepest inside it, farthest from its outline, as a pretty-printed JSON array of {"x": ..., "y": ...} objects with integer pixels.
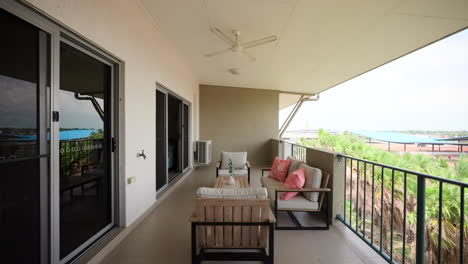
[{"x": 204, "y": 152}]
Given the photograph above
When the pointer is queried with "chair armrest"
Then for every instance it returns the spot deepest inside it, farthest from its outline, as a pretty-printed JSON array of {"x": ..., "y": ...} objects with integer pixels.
[
  {"x": 271, "y": 218},
  {"x": 247, "y": 164},
  {"x": 303, "y": 190},
  {"x": 263, "y": 170}
]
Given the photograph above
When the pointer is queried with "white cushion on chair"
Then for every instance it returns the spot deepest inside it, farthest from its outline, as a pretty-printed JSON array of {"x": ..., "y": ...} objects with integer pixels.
[
  {"x": 229, "y": 193},
  {"x": 298, "y": 202},
  {"x": 224, "y": 172},
  {"x": 239, "y": 160},
  {"x": 313, "y": 179},
  {"x": 294, "y": 165}
]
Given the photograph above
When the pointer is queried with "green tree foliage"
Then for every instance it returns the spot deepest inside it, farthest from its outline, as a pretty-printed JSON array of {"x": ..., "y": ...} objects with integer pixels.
[{"x": 352, "y": 145}]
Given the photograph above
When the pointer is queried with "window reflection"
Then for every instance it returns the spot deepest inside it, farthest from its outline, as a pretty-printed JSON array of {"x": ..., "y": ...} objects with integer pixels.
[{"x": 18, "y": 119}]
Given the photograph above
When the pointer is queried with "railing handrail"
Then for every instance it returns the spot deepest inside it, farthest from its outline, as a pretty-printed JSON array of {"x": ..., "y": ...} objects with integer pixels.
[{"x": 425, "y": 175}]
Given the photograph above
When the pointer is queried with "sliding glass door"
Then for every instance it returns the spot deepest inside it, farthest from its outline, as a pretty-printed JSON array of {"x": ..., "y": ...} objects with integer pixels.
[
  {"x": 57, "y": 140},
  {"x": 185, "y": 124},
  {"x": 24, "y": 141},
  {"x": 172, "y": 136},
  {"x": 161, "y": 143},
  {"x": 85, "y": 147}
]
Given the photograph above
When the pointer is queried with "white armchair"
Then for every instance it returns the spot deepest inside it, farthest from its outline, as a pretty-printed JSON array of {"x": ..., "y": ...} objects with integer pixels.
[{"x": 239, "y": 161}]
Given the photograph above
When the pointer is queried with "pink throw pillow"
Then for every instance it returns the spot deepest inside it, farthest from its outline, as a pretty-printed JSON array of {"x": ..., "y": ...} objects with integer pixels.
[
  {"x": 280, "y": 168},
  {"x": 295, "y": 180}
]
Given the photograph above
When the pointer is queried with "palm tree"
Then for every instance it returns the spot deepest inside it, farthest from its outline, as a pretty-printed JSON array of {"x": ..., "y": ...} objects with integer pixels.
[{"x": 353, "y": 146}]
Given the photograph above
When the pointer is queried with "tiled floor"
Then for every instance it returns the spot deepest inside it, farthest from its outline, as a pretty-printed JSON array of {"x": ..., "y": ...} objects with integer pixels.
[{"x": 164, "y": 236}]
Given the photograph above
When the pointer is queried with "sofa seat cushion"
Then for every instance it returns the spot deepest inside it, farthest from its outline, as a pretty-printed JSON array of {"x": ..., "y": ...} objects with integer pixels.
[
  {"x": 239, "y": 160},
  {"x": 229, "y": 193},
  {"x": 271, "y": 185},
  {"x": 313, "y": 179},
  {"x": 299, "y": 202},
  {"x": 225, "y": 172}
]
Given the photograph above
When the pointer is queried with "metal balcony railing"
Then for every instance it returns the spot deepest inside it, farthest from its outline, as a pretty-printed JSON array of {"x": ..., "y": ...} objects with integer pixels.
[
  {"x": 299, "y": 152},
  {"x": 78, "y": 156},
  {"x": 405, "y": 216}
]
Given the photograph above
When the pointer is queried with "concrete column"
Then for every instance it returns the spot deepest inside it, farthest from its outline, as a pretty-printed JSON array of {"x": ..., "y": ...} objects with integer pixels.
[
  {"x": 328, "y": 162},
  {"x": 276, "y": 148}
]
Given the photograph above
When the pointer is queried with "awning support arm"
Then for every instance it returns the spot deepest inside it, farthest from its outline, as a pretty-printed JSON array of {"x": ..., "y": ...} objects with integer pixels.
[
  {"x": 97, "y": 107},
  {"x": 293, "y": 113}
]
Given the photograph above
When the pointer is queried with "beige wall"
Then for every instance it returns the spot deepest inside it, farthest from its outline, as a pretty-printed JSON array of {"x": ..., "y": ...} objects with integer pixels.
[
  {"x": 239, "y": 119},
  {"x": 124, "y": 28}
]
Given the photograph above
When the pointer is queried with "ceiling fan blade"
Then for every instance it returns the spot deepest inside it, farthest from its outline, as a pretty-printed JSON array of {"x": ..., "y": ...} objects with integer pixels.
[
  {"x": 217, "y": 52},
  {"x": 258, "y": 42},
  {"x": 222, "y": 36},
  {"x": 247, "y": 55}
]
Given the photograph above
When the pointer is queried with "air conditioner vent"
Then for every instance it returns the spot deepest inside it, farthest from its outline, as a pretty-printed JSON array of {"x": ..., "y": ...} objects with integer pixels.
[{"x": 204, "y": 152}]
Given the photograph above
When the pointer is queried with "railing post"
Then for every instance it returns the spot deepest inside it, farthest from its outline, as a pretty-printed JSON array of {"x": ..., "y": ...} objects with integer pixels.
[{"x": 420, "y": 219}]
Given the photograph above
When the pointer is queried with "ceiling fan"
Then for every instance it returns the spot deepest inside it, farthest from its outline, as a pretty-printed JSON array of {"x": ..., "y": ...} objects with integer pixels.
[{"x": 236, "y": 45}]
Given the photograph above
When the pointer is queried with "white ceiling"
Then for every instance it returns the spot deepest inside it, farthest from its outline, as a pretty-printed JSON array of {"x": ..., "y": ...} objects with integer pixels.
[{"x": 321, "y": 43}]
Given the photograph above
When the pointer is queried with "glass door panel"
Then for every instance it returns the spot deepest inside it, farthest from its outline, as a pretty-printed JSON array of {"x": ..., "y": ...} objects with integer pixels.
[
  {"x": 186, "y": 135},
  {"x": 161, "y": 161},
  {"x": 85, "y": 151},
  {"x": 24, "y": 146},
  {"x": 174, "y": 136}
]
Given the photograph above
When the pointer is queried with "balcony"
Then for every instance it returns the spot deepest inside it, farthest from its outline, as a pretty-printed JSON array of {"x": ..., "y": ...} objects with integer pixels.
[
  {"x": 357, "y": 227},
  {"x": 103, "y": 102},
  {"x": 164, "y": 234}
]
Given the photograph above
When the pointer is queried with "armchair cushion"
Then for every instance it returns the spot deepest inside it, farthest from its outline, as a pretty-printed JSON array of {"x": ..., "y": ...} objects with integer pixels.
[
  {"x": 313, "y": 179},
  {"x": 229, "y": 193},
  {"x": 294, "y": 165},
  {"x": 239, "y": 160},
  {"x": 295, "y": 180},
  {"x": 279, "y": 170},
  {"x": 299, "y": 202}
]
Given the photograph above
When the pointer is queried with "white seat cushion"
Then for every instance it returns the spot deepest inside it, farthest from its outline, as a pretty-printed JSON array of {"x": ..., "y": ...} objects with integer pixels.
[
  {"x": 225, "y": 172},
  {"x": 313, "y": 179},
  {"x": 226, "y": 193},
  {"x": 298, "y": 202},
  {"x": 239, "y": 160}
]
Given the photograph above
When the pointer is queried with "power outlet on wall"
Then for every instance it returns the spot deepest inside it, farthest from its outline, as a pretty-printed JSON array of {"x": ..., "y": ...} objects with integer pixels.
[{"x": 131, "y": 180}]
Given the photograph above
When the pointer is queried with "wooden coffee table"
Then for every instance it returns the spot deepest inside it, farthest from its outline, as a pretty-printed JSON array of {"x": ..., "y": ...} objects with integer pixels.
[{"x": 241, "y": 182}]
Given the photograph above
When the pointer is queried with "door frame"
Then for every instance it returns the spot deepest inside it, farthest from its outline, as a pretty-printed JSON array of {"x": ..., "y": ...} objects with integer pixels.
[
  {"x": 111, "y": 158},
  {"x": 59, "y": 32}
]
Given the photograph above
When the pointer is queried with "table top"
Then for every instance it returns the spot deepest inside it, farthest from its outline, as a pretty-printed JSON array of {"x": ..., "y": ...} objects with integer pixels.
[{"x": 241, "y": 182}]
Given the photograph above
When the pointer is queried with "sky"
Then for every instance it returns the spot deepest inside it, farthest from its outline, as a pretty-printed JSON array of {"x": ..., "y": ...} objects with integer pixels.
[
  {"x": 18, "y": 108},
  {"x": 78, "y": 114},
  {"x": 425, "y": 90}
]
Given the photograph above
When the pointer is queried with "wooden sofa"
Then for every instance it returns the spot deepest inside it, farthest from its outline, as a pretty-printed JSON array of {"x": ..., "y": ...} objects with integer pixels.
[
  {"x": 244, "y": 227},
  {"x": 300, "y": 203}
]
